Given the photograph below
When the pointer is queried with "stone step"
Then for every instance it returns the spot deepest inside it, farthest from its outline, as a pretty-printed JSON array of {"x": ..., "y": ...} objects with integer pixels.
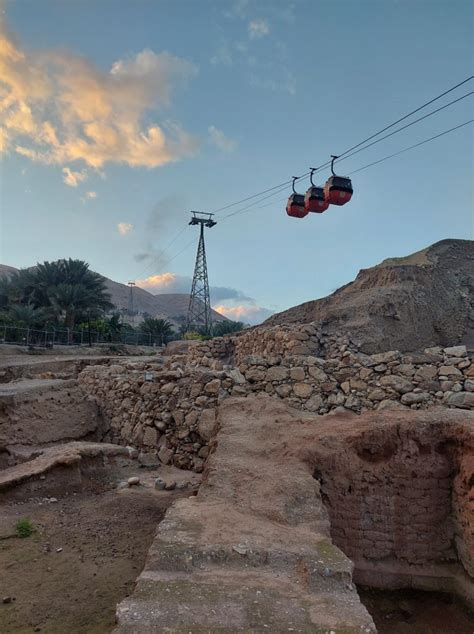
[
  {"x": 237, "y": 543},
  {"x": 227, "y": 600},
  {"x": 29, "y": 389}
]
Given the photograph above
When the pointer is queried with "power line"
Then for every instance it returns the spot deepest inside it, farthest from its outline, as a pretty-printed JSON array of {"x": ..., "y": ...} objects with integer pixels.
[
  {"x": 157, "y": 258},
  {"x": 429, "y": 114},
  {"x": 411, "y": 147},
  {"x": 343, "y": 154},
  {"x": 273, "y": 191}
]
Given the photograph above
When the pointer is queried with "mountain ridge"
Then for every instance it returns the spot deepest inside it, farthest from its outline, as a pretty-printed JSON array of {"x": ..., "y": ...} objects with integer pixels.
[
  {"x": 172, "y": 306},
  {"x": 405, "y": 303}
]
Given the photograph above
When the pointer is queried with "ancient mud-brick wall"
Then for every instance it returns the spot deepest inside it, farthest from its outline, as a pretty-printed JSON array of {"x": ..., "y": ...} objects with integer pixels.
[
  {"x": 399, "y": 497},
  {"x": 463, "y": 509},
  {"x": 165, "y": 408}
]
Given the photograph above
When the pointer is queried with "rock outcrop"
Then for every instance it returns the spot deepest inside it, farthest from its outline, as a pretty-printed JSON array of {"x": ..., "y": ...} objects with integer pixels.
[{"x": 410, "y": 303}]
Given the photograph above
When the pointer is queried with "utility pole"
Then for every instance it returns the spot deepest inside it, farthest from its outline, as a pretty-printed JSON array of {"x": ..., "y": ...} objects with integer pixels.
[
  {"x": 199, "y": 310},
  {"x": 130, "y": 304}
]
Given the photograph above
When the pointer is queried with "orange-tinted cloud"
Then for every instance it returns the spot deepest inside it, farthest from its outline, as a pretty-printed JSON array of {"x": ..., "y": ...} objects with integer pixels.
[
  {"x": 248, "y": 313},
  {"x": 124, "y": 228},
  {"x": 158, "y": 283},
  {"x": 58, "y": 108}
]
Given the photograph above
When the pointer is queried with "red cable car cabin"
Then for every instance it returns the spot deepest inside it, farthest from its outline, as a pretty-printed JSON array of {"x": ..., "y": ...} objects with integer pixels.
[
  {"x": 295, "y": 206},
  {"x": 338, "y": 190},
  {"x": 314, "y": 199}
]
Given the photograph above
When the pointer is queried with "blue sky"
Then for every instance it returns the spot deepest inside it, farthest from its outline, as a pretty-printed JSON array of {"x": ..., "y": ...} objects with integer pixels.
[{"x": 117, "y": 118}]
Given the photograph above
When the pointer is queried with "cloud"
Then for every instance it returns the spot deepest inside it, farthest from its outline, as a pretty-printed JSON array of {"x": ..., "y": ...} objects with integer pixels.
[
  {"x": 124, "y": 228},
  {"x": 285, "y": 82},
  {"x": 172, "y": 283},
  {"x": 219, "y": 139},
  {"x": 72, "y": 178},
  {"x": 223, "y": 55},
  {"x": 248, "y": 313},
  {"x": 258, "y": 28},
  {"x": 58, "y": 108},
  {"x": 91, "y": 195},
  {"x": 165, "y": 216}
]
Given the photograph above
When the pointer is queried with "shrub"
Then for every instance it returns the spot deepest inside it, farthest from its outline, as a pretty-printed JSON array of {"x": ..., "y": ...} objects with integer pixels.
[{"x": 24, "y": 528}]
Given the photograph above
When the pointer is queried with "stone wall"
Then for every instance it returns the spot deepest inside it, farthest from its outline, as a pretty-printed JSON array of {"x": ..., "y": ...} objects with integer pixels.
[
  {"x": 359, "y": 382},
  {"x": 171, "y": 406},
  {"x": 166, "y": 408}
]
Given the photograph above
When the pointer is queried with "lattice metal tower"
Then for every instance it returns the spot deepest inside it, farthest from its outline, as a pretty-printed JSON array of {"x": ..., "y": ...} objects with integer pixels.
[
  {"x": 199, "y": 310},
  {"x": 130, "y": 310}
]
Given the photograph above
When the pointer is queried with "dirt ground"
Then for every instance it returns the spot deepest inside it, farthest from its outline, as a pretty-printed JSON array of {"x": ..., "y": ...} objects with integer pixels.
[
  {"x": 416, "y": 612},
  {"x": 83, "y": 558}
]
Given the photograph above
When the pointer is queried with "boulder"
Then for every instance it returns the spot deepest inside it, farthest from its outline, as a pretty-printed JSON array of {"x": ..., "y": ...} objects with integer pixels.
[
  {"x": 455, "y": 351},
  {"x": 207, "y": 425},
  {"x": 302, "y": 390},
  {"x": 276, "y": 373},
  {"x": 398, "y": 383},
  {"x": 463, "y": 400}
]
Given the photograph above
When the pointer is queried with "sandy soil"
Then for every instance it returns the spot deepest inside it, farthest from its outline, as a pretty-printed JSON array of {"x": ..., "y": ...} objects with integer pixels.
[
  {"x": 104, "y": 539},
  {"x": 416, "y": 612}
]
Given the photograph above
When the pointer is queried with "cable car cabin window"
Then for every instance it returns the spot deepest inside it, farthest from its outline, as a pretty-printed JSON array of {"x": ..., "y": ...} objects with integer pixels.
[{"x": 340, "y": 182}]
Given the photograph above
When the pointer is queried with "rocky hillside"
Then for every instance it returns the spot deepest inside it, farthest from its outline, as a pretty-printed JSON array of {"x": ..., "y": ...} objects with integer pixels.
[
  {"x": 407, "y": 303},
  {"x": 173, "y": 306}
]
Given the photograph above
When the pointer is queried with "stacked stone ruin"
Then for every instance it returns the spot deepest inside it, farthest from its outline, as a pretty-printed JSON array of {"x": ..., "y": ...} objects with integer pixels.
[{"x": 169, "y": 406}]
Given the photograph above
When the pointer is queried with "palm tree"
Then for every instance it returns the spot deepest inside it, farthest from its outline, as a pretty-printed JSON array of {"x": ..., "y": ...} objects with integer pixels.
[
  {"x": 25, "y": 315},
  {"x": 161, "y": 328},
  {"x": 71, "y": 289},
  {"x": 221, "y": 328}
]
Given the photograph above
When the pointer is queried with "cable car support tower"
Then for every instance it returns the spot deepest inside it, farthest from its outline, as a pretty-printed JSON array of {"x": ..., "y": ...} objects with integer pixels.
[{"x": 199, "y": 310}]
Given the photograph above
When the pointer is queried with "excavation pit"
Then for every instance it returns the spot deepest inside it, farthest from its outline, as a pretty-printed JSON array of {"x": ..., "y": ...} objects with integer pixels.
[
  {"x": 91, "y": 535},
  {"x": 399, "y": 500}
]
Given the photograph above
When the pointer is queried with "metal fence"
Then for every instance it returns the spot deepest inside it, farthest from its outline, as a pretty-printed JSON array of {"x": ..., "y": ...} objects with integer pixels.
[{"x": 32, "y": 337}]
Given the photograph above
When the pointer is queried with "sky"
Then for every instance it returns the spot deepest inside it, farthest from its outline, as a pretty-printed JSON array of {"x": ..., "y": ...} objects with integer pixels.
[{"x": 117, "y": 118}]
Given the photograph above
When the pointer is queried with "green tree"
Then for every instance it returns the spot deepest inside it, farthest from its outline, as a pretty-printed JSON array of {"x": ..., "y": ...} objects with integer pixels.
[
  {"x": 221, "y": 328},
  {"x": 65, "y": 290},
  {"x": 161, "y": 328},
  {"x": 24, "y": 315}
]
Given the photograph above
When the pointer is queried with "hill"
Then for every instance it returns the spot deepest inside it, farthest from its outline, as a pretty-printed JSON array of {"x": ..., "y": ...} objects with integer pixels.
[
  {"x": 406, "y": 303},
  {"x": 172, "y": 306}
]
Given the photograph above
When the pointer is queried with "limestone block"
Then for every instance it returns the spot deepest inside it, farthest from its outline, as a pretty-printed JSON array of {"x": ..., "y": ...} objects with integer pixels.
[
  {"x": 297, "y": 374},
  {"x": 456, "y": 351},
  {"x": 150, "y": 436},
  {"x": 449, "y": 370},
  {"x": 464, "y": 400},
  {"x": 302, "y": 390},
  {"x": 411, "y": 398},
  {"x": 314, "y": 403},
  {"x": 207, "y": 425},
  {"x": 398, "y": 383},
  {"x": 276, "y": 373},
  {"x": 317, "y": 374},
  {"x": 212, "y": 387},
  {"x": 165, "y": 455}
]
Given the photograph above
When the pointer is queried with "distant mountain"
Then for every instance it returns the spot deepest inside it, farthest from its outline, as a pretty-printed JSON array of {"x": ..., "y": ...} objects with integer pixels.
[
  {"x": 406, "y": 303},
  {"x": 172, "y": 306}
]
